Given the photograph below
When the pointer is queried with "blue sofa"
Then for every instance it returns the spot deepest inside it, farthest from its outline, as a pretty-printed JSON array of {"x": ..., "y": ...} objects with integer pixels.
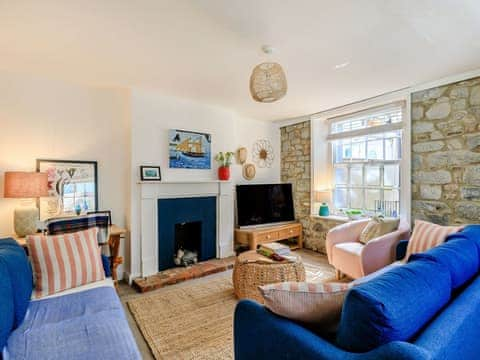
[
  {"x": 426, "y": 309},
  {"x": 89, "y": 324}
]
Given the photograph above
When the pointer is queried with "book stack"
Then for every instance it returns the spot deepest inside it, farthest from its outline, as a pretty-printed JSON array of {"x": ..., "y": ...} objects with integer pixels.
[{"x": 275, "y": 251}]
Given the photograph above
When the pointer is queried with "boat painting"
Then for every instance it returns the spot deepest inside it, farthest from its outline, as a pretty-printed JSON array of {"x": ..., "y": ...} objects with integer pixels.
[{"x": 189, "y": 150}]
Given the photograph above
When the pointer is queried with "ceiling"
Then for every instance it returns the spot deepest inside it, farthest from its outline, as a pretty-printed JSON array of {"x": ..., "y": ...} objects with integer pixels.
[{"x": 206, "y": 49}]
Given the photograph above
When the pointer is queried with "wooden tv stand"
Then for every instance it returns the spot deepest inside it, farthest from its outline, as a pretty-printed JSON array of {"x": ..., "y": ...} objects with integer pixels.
[{"x": 255, "y": 236}]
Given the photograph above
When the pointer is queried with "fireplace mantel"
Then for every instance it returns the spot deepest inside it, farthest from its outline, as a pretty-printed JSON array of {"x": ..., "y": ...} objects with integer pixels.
[{"x": 151, "y": 191}]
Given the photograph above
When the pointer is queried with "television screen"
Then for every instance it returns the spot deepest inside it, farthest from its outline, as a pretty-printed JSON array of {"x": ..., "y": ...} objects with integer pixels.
[{"x": 264, "y": 204}]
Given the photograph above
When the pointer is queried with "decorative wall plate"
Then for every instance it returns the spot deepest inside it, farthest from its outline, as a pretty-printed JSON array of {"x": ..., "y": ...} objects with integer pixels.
[
  {"x": 263, "y": 153},
  {"x": 249, "y": 171},
  {"x": 242, "y": 155}
]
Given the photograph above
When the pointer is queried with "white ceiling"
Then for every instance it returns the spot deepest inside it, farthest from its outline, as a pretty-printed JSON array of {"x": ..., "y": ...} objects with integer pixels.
[{"x": 205, "y": 49}]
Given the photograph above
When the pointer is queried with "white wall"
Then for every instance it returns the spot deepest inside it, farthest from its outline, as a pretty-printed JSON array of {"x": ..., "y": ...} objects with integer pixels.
[
  {"x": 42, "y": 118},
  {"x": 153, "y": 115}
]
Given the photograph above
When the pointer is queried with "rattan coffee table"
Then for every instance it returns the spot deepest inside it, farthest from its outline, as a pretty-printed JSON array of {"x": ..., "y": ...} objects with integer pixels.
[{"x": 252, "y": 270}]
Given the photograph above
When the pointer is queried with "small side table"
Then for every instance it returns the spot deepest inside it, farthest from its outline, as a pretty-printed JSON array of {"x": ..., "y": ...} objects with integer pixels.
[{"x": 116, "y": 233}]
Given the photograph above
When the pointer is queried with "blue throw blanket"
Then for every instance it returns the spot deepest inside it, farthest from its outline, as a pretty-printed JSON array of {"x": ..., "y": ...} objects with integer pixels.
[{"x": 86, "y": 325}]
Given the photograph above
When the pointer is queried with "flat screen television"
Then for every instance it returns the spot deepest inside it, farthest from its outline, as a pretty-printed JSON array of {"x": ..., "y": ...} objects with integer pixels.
[{"x": 264, "y": 204}]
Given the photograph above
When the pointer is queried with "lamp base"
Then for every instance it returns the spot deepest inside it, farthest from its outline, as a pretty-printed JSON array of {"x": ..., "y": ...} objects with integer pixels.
[
  {"x": 324, "y": 211},
  {"x": 25, "y": 221}
]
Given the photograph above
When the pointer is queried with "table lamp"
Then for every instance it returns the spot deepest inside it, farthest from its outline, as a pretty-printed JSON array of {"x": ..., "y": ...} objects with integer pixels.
[
  {"x": 19, "y": 184},
  {"x": 323, "y": 197}
]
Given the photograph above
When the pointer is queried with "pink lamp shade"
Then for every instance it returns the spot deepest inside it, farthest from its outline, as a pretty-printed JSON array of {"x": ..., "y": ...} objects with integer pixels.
[{"x": 20, "y": 184}]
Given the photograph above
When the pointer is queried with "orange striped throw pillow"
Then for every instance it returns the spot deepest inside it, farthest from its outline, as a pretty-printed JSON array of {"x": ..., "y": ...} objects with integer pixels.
[
  {"x": 65, "y": 261},
  {"x": 426, "y": 236},
  {"x": 309, "y": 303}
]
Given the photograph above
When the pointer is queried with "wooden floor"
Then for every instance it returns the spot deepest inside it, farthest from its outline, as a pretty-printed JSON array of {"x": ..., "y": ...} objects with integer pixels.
[{"x": 316, "y": 267}]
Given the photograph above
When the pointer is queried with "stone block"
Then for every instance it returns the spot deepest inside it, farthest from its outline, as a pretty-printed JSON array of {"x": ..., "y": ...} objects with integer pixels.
[
  {"x": 468, "y": 210},
  {"x": 429, "y": 94},
  {"x": 431, "y": 207},
  {"x": 422, "y": 127},
  {"x": 417, "y": 112},
  {"x": 417, "y": 162},
  {"x": 455, "y": 143},
  {"x": 439, "y": 110},
  {"x": 473, "y": 142},
  {"x": 471, "y": 176},
  {"x": 475, "y": 95},
  {"x": 451, "y": 128},
  {"x": 436, "y": 135},
  {"x": 452, "y": 158},
  {"x": 428, "y": 146},
  {"x": 432, "y": 177},
  {"x": 471, "y": 193},
  {"x": 431, "y": 192},
  {"x": 459, "y": 92}
]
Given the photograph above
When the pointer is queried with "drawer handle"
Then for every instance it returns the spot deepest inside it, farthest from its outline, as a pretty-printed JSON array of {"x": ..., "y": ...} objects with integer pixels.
[
  {"x": 291, "y": 231},
  {"x": 268, "y": 236}
]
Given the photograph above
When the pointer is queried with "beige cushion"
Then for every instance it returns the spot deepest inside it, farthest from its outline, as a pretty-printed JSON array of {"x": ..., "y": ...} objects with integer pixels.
[
  {"x": 377, "y": 227},
  {"x": 350, "y": 247},
  {"x": 309, "y": 303}
]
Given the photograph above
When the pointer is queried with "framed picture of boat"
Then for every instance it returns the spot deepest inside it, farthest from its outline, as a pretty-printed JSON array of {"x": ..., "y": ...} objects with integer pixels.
[{"x": 189, "y": 150}]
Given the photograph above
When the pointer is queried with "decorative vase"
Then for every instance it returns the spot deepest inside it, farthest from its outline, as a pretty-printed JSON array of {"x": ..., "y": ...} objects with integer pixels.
[
  {"x": 224, "y": 173},
  {"x": 324, "y": 211}
]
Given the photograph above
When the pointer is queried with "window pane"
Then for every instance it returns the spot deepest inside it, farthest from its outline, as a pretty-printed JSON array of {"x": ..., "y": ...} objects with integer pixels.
[
  {"x": 358, "y": 148},
  {"x": 391, "y": 175},
  {"x": 391, "y": 195},
  {"x": 356, "y": 175},
  {"x": 341, "y": 175},
  {"x": 68, "y": 204},
  {"x": 372, "y": 196},
  {"x": 392, "y": 149},
  {"x": 340, "y": 198},
  {"x": 375, "y": 149},
  {"x": 356, "y": 198},
  {"x": 372, "y": 174}
]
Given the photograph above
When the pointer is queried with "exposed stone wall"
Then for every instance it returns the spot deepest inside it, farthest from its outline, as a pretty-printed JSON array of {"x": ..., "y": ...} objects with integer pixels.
[
  {"x": 295, "y": 169},
  {"x": 446, "y": 153}
]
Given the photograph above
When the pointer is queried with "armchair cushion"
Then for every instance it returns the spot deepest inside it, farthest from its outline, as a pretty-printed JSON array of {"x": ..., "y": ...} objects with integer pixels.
[{"x": 377, "y": 227}]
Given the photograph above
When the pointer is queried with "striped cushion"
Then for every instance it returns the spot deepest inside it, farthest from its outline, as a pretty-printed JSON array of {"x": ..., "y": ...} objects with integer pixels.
[
  {"x": 426, "y": 236},
  {"x": 65, "y": 261},
  {"x": 309, "y": 303}
]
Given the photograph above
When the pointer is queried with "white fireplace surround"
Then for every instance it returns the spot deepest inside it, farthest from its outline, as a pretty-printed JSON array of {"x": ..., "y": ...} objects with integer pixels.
[{"x": 150, "y": 192}]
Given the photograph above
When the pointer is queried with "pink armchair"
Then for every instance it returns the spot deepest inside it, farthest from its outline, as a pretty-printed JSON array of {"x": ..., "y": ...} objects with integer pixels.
[{"x": 355, "y": 259}]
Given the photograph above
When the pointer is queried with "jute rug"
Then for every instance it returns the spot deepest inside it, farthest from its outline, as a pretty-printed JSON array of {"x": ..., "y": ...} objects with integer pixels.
[{"x": 188, "y": 322}]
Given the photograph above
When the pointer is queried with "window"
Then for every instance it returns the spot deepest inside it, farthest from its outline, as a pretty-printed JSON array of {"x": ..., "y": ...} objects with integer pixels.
[{"x": 366, "y": 154}]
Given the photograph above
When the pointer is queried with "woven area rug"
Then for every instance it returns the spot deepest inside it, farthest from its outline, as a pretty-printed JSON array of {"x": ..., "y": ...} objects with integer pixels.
[{"x": 188, "y": 322}]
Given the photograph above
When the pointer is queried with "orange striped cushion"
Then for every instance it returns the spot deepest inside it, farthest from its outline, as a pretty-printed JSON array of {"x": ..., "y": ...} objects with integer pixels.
[
  {"x": 427, "y": 235},
  {"x": 65, "y": 261},
  {"x": 310, "y": 303}
]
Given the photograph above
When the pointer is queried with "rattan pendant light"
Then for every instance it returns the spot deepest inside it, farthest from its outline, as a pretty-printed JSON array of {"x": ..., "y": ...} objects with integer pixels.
[{"x": 268, "y": 82}]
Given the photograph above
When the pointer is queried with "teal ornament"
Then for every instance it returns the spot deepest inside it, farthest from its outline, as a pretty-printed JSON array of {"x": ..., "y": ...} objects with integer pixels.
[{"x": 324, "y": 211}]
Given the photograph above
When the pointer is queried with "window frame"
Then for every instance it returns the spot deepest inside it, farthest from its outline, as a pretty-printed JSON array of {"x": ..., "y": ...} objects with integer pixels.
[{"x": 322, "y": 165}]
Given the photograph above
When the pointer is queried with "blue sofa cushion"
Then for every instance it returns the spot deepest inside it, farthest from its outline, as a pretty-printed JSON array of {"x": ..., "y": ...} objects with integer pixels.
[
  {"x": 459, "y": 256},
  {"x": 393, "y": 306},
  {"x": 21, "y": 277},
  {"x": 471, "y": 233},
  {"x": 7, "y": 313},
  {"x": 87, "y": 325}
]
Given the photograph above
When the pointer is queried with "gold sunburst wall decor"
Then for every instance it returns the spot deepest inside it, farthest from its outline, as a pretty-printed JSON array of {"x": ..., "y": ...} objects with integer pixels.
[{"x": 263, "y": 153}]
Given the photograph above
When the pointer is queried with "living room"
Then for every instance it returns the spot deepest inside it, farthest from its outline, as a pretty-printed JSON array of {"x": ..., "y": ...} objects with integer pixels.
[{"x": 250, "y": 172}]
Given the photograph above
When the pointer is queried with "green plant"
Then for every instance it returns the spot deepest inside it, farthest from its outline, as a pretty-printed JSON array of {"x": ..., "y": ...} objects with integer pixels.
[{"x": 224, "y": 159}]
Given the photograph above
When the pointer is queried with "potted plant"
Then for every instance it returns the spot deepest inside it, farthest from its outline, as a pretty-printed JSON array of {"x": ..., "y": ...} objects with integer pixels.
[{"x": 224, "y": 161}]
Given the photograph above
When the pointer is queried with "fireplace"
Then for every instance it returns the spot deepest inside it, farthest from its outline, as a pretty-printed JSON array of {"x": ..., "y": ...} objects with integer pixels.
[{"x": 188, "y": 224}]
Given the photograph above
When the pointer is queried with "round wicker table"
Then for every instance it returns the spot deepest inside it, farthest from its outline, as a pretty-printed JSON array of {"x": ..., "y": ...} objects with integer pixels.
[{"x": 252, "y": 270}]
